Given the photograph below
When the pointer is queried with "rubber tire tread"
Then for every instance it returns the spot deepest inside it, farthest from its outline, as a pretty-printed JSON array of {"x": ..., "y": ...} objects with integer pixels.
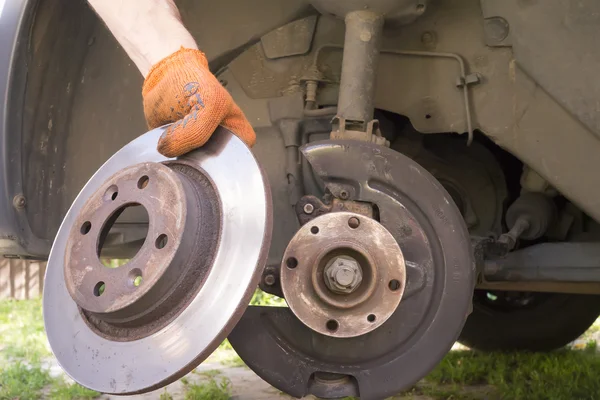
[{"x": 550, "y": 325}]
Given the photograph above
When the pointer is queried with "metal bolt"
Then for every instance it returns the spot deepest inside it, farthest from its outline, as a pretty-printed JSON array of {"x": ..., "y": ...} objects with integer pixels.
[
  {"x": 496, "y": 30},
  {"x": 308, "y": 208},
  {"x": 270, "y": 280},
  {"x": 510, "y": 238},
  {"x": 343, "y": 195},
  {"x": 311, "y": 90},
  {"x": 428, "y": 39},
  {"x": 343, "y": 275},
  {"x": 19, "y": 201}
]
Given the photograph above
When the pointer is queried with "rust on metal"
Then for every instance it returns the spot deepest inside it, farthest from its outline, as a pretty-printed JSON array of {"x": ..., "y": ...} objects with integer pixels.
[
  {"x": 363, "y": 255},
  {"x": 310, "y": 207},
  {"x": 158, "y": 330},
  {"x": 142, "y": 296}
]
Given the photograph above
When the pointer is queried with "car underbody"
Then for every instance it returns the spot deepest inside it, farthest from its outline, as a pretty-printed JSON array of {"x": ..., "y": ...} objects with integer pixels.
[{"x": 468, "y": 129}]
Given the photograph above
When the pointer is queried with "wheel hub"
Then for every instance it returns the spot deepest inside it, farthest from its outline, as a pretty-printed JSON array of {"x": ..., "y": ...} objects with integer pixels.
[{"x": 321, "y": 270}]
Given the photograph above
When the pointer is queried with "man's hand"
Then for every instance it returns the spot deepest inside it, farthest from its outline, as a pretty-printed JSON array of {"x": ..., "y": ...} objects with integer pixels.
[
  {"x": 181, "y": 90},
  {"x": 179, "y": 87}
]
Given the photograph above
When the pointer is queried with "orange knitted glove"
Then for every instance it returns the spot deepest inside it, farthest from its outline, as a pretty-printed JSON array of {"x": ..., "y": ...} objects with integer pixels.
[{"x": 181, "y": 89}]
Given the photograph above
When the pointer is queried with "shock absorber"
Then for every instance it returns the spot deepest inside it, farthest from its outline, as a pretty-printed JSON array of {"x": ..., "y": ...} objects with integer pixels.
[
  {"x": 362, "y": 44},
  {"x": 354, "y": 119}
]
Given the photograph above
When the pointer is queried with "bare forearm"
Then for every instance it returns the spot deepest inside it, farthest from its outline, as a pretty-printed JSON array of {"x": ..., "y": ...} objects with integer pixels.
[{"x": 148, "y": 30}]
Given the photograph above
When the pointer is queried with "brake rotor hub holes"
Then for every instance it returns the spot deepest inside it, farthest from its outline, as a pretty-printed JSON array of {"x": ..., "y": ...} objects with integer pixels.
[
  {"x": 141, "y": 296},
  {"x": 338, "y": 282}
]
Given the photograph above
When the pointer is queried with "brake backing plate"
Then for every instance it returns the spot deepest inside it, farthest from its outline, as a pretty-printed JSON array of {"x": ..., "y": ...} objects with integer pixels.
[
  {"x": 142, "y": 325},
  {"x": 293, "y": 352}
]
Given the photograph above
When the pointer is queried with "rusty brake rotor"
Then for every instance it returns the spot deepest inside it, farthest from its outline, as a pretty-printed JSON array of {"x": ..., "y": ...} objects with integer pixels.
[{"x": 140, "y": 326}]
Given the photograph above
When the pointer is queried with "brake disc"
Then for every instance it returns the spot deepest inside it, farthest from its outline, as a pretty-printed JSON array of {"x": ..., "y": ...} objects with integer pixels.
[
  {"x": 420, "y": 215},
  {"x": 138, "y": 327}
]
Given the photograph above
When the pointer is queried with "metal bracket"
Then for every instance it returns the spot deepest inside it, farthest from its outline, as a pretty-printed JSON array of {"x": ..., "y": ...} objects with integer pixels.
[
  {"x": 372, "y": 133},
  {"x": 471, "y": 79}
]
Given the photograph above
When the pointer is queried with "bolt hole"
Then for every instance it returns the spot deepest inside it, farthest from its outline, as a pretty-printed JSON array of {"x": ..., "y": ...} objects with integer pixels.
[
  {"x": 111, "y": 193},
  {"x": 394, "y": 285},
  {"x": 371, "y": 318},
  {"x": 332, "y": 325},
  {"x": 135, "y": 277},
  {"x": 314, "y": 230},
  {"x": 291, "y": 262},
  {"x": 427, "y": 116},
  {"x": 85, "y": 228},
  {"x": 161, "y": 241},
  {"x": 343, "y": 195},
  {"x": 353, "y": 222},
  {"x": 99, "y": 289},
  {"x": 143, "y": 182}
]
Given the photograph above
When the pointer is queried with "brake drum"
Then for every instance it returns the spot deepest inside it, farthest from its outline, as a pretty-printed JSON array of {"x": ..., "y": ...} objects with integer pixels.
[
  {"x": 140, "y": 326},
  {"x": 387, "y": 340}
]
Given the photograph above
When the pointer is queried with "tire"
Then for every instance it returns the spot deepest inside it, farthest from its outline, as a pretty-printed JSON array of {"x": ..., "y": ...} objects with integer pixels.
[{"x": 506, "y": 321}]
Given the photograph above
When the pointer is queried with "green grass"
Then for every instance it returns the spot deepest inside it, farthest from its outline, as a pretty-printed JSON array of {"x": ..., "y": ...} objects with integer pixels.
[
  {"x": 22, "y": 331},
  {"x": 31, "y": 382},
  {"x": 211, "y": 373},
  {"x": 23, "y": 382},
  {"x": 209, "y": 390},
  {"x": 23, "y": 345},
  {"x": 591, "y": 330},
  {"x": 185, "y": 381},
  {"x": 533, "y": 376},
  {"x": 63, "y": 391},
  {"x": 565, "y": 374},
  {"x": 165, "y": 395},
  {"x": 225, "y": 345},
  {"x": 225, "y": 355},
  {"x": 470, "y": 375},
  {"x": 260, "y": 298},
  {"x": 114, "y": 262},
  {"x": 450, "y": 392},
  {"x": 232, "y": 360}
]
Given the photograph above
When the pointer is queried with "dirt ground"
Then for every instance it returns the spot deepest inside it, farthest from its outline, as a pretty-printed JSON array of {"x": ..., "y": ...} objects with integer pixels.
[{"x": 245, "y": 385}]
